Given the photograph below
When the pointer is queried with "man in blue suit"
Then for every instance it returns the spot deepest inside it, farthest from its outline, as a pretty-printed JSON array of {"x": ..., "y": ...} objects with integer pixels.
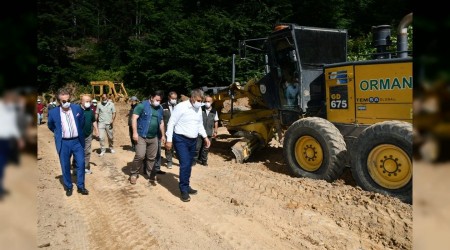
[{"x": 66, "y": 122}]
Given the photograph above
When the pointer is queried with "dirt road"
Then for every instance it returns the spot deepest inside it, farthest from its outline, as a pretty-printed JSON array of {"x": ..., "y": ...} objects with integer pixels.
[{"x": 256, "y": 205}]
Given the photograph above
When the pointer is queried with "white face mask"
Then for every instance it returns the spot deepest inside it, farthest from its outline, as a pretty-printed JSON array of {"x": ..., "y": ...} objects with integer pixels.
[
  {"x": 197, "y": 105},
  {"x": 66, "y": 105},
  {"x": 207, "y": 105},
  {"x": 87, "y": 105},
  {"x": 155, "y": 103},
  {"x": 173, "y": 101},
  {"x": 94, "y": 103}
]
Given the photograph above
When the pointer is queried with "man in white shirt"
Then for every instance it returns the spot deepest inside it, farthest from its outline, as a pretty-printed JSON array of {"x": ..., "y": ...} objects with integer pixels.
[
  {"x": 183, "y": 128},
  {"x": 8, "y": 133}
]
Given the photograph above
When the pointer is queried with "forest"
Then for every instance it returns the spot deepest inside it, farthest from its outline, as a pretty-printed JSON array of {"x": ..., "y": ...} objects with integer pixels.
[{"x": 179, "y": 44}]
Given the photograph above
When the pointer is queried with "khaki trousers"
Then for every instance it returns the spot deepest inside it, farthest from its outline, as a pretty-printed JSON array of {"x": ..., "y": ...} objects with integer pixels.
[
  {"x": 145, "y": 147},
  {"x": 108, "y": 130}
]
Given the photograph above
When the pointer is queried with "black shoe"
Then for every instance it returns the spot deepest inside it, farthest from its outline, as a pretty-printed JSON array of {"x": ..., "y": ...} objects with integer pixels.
[
  {"x": 83, "y": 191},
  {"x": 185, "y": 197},
  {"x": 160, "y": 172},
  {"x": 192, "y": 191},
  {"x": 69, "y": 191},
  {"x": 205, "y": 164},
  {"x": 152, "y": 180}
]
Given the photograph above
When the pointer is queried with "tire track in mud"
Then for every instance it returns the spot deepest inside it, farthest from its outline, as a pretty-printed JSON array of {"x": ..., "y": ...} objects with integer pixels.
[
  {"x": 112, "y": 220},
  {"x": 376, "y": 218},
  {"x": 51, "y": 199}
]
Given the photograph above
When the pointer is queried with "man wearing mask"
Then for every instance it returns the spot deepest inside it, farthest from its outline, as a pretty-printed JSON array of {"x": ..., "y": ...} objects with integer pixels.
[
  {"x": 167, "y": 111},
  {"x": 292, "y": 93},
  {"x": 66, "y": 123},
  {"x": 51, "y": 105},
  {"x": 94, "y": 106},
  {"x": 134, "y": 101},
  {"x": 183, "y": 128},
  {"x": 106, "y": 113},
  {"x": 211, "y": 124},
  {"x": 89, "y": 129},
  {"x": 148, "y": 129}
]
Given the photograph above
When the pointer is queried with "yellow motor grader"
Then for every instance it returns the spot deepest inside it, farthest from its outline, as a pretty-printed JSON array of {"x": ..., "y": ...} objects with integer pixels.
[
  {"x": 330, "y": 113},
  {"x": 115, "y": 90}
]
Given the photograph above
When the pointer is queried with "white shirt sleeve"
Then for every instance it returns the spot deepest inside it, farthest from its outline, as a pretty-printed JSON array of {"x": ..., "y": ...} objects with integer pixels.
[{"x": 216, "y": 117}]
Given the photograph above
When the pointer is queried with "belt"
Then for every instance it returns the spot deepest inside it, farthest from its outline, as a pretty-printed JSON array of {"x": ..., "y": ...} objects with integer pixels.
[
  {"x": 185, "y": 136},
  {"x": 73, "y": 138}
]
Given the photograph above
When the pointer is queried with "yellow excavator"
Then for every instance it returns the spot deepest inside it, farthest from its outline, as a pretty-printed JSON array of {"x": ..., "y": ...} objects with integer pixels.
[{"x": 329, "y": 113}]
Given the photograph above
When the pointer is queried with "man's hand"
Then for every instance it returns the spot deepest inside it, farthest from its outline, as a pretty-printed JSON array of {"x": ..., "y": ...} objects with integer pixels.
[
  {"x": 135, "y": 137},
  {"x": 214, "y": 134},
  {"x": 163, "y": 140},
  {"x": 21, "y": 143},
  {"x": 207, "y": 142},
  {"x": 168, "y": 145}
]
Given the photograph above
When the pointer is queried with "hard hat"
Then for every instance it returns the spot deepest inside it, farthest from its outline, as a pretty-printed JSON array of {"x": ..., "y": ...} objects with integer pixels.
[
  {"x": 94, "y": 100},
  {"x": 134, "y": 98}
]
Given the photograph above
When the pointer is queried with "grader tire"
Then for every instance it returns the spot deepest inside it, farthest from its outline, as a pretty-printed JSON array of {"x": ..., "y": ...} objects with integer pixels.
[
  {"x": 382, "y": 159},
  {"x": 314, "y": 148}
]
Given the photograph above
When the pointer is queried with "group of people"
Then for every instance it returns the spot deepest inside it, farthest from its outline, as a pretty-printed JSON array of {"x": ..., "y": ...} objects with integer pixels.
[{"x": 183, "y": 128}]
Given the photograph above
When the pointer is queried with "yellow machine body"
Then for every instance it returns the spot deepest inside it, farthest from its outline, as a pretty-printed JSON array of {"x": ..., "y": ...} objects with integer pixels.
[{"x": 369, "y": 93}]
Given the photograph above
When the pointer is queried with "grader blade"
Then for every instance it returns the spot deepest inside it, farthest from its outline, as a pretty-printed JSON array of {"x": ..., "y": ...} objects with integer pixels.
[{"x": 245, "y": 147}]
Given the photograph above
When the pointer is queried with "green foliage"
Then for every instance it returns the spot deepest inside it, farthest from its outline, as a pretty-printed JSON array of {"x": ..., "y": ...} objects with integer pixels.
[
  {"x": 106, "y": 75},
  {"x": 179, "y": 44},
  {"x": 360, "y": 48}
]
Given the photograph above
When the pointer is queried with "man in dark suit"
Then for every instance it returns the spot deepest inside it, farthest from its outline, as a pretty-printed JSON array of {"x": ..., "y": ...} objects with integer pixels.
[{"x": 66, "y": 122}]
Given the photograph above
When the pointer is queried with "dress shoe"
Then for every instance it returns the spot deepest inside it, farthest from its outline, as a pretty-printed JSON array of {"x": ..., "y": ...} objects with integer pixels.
[
  {"x": 185, "y": 197},
  {"x": 192, "y": 191},
  {"x": 83, "y": 191},
  {"x": 69, "y": 191},
  {"x": 152, "y": 179},
  {"x": 161, "y": 172}
]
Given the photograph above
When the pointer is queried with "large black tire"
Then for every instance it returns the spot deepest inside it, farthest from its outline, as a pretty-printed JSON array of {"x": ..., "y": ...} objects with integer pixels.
[
  {"x": 382, "y": 159},
  {"x": 314, "y": 148}
]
